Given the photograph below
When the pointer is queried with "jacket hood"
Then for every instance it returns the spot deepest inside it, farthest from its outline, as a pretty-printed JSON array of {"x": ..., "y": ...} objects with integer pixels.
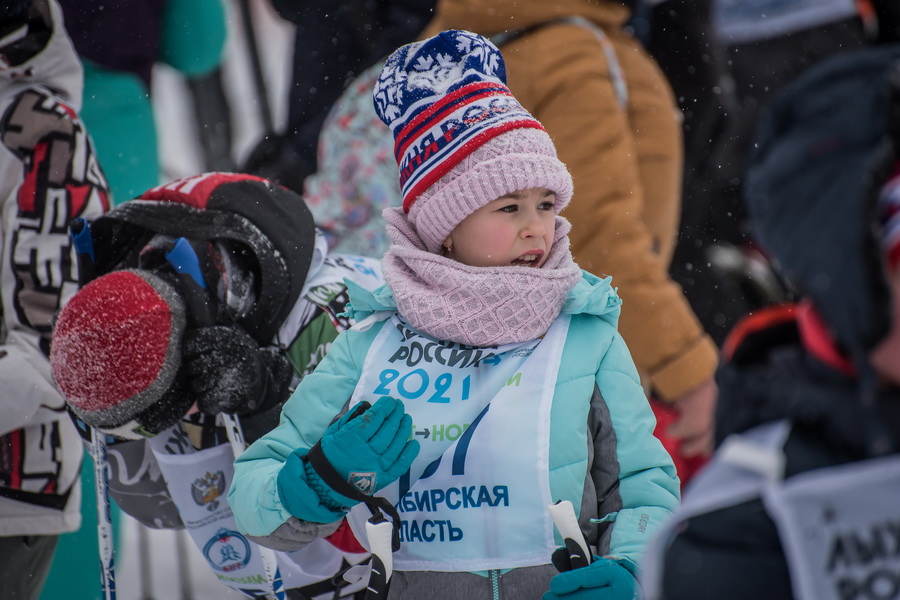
[
  {"x": 821, "y": 153},
  {"x": 272, "y": 223},
  {"x": 506, "y": 15},
  {"x": 591, "y": 296}
]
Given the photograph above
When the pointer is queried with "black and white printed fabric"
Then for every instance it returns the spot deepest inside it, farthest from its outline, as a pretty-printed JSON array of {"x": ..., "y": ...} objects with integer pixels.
[{"x": 48, "y": 176}]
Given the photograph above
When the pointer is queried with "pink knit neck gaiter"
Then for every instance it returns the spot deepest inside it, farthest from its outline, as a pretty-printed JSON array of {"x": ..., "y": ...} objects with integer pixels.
[{"x": 477, "y": 306}]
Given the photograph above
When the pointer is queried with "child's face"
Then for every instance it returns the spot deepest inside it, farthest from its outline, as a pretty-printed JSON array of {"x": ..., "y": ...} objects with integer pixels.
[{"x": 513, "y": 230}]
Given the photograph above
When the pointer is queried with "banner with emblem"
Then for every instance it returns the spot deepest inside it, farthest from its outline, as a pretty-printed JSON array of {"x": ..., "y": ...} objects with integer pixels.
[{"x": 198, "y": 482}]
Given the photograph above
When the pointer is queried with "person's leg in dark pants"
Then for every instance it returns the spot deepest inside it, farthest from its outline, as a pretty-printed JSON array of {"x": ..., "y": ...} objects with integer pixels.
[{"x": 26, "y": 562}]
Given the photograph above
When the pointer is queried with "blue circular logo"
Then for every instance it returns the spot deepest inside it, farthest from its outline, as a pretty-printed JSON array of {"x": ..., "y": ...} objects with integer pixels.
[{"x": 227, "y": 551}]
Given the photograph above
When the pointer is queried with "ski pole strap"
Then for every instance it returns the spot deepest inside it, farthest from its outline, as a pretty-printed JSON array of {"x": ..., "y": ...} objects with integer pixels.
[{"x": 317, "y": 459}]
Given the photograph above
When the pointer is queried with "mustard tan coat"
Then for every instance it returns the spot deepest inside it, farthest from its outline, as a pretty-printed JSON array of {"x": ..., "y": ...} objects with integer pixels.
[{"x": 626, "y": 165}]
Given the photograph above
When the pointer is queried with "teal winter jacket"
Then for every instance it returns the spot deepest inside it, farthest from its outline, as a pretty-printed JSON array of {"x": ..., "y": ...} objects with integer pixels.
[{"x": 603, "y": 456}]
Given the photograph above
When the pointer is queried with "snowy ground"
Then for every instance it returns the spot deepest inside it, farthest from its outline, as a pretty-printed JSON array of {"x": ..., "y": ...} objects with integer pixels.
[{"x": 166, "y": 565}]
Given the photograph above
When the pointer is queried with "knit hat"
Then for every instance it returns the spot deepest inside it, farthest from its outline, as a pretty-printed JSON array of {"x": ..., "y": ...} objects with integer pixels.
[
  {"x": 461, "y": 139},
  {"x": 116, "y": 349}
]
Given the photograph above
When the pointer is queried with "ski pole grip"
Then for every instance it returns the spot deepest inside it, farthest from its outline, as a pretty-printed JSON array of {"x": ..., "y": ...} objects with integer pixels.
[
  {"x": 563, "y": 514},
  {"x": 380, "y": 536}
]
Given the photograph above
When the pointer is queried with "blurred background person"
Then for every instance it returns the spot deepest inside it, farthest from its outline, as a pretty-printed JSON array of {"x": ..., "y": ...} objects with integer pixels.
[
  {"x": 806, "y": 469},
  {"x": 332, "y": 43},
  {"x": 50, "y": 174},
  {"x": 119, "y": 42}
]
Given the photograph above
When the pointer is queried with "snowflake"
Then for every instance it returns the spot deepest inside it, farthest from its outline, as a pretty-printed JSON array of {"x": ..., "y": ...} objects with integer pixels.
[
  {"x": 423, "y": 63},
  {"x": 424, "y": 75}
]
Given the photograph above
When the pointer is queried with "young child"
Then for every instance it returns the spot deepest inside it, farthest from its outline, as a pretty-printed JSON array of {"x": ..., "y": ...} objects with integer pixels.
[{"x": 497, "y": 381}]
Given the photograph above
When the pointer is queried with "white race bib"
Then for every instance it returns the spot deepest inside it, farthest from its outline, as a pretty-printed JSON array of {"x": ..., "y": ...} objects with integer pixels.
[
  {"x": 839, "y": 526},
  {"x": 476, "y": 496}
]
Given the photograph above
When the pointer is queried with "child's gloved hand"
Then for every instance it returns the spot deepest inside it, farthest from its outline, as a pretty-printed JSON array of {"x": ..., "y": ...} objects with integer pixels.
[
  {"x": 603, "y": 579},
  {"x": 366, "y": 449},
  {"x": 373, "y": 449}
]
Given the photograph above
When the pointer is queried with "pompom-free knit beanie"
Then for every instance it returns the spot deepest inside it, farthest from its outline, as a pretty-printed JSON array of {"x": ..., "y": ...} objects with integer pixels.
[
  {"x": 117, "y": 346},
  {"x": 461, "y": 139}
]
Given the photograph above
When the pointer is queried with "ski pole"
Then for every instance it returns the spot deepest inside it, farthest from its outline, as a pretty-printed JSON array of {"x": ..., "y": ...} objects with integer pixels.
[
  {"x": 104, "y": 518},
  {"x": 144, "y": 559},
  {"x": 379, "y": 531},
  {"x": 383, "y": 534},
  {"x": 258, "y": 77},
  {"x": 563, "y": 514},
  {"x": 185, "y": 262},
  {"x": 80, "y": 233}
]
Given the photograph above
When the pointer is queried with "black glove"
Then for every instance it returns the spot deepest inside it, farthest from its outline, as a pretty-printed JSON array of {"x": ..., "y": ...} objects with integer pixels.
[
  {"x": 166, "y": 411},
  {"x": 228, "y": 371},
  {"x": 281, "y": 374}
]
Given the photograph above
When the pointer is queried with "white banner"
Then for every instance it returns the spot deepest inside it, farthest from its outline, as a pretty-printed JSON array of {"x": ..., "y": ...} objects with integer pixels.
[{"x": 840, "y": 528}]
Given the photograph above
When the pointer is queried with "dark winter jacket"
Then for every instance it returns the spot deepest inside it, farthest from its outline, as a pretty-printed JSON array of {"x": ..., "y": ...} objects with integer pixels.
[
  {"x": 821, "y": 156},
  {"x": 736, "y": 552}
]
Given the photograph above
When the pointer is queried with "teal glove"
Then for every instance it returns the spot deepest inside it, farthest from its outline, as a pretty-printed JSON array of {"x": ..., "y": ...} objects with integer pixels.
[
  {"x": 374, "y": 449},
  {"x": 603, "y": 579},
  {"x": 365, "y": 450}
]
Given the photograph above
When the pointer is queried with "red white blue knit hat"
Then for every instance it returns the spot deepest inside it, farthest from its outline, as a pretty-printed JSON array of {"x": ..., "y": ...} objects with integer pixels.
[
  {"x": 889, "y": 211},
  {"x": 461, "y": 139}
]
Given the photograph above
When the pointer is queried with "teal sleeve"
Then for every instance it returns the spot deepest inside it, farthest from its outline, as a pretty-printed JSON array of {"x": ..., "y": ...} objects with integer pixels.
[
  {"x": 193, "y": 35},
  {"x": 322, "y": 395},
  {"x": 648, "y": 485}
]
